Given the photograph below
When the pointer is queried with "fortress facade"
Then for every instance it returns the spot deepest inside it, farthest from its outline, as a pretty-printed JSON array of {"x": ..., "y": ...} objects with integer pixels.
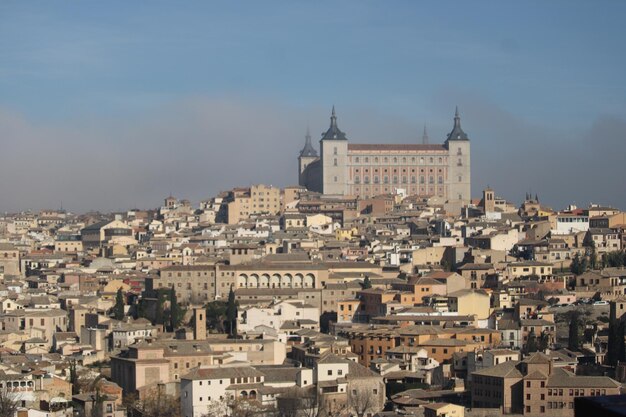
[{"x": 366, "y": 170}]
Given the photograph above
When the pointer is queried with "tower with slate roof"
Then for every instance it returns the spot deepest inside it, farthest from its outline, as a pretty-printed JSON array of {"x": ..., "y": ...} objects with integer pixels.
[{"x": 459, "y": 178}]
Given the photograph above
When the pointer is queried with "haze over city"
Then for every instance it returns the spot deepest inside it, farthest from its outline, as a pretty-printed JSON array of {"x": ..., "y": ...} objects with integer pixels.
[
  {"x": 348, "y": 208},
  {"x": 111, "y": 105}
]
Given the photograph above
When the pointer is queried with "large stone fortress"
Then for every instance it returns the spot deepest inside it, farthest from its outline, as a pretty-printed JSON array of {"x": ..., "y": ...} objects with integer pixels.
[{"x": 366, "y": 170}]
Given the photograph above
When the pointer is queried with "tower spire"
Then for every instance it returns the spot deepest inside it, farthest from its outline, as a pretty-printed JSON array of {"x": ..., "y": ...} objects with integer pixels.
[
  {"x": 333, "y": 118},
  {"x": 333, "y": 132},
  {"x": 308, "y": 149},
  {"x": 457, "y": 133},
  {"x": 425, "y": 137}
]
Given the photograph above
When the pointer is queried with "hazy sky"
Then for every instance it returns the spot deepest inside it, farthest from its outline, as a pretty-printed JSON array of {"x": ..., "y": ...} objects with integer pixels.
[{"x": 114, "y": 104}]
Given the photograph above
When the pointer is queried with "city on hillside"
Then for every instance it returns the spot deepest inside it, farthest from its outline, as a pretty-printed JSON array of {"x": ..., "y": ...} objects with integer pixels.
[
  {"x": 377, "y": 286},
  {"x": 327, "y": 208}
]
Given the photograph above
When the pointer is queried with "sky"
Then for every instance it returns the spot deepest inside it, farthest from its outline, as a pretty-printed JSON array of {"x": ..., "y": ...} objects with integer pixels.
[{"x": 115, "y": 105}]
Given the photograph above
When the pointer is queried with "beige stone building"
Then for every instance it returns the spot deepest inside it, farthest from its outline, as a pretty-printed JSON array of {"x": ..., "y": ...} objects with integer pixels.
[
  {"x": 258, "y": 199},
  {"x": 152, "y": 362},
  {"x": 38, "y": 323},
  {"x": 469, "y": 301},
  {"x": 367, "y": 170},
  {"x": 9, "y": 259},
  {"x": 443, "y": 410}
]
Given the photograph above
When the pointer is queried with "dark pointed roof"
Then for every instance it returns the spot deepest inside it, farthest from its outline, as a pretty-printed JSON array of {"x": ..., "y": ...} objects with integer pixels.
[
  {"x": 308, "y": 149},
  {"x": 333, "y": 132},
  {"x": 457, "y": 133}
]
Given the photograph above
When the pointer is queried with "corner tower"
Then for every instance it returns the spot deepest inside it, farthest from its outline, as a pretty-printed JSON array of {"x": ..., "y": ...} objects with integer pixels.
[
  {"x": 308, "y": 154},
  {"x": 334, "y": 158},
  {"x": 459, "y": 179}
]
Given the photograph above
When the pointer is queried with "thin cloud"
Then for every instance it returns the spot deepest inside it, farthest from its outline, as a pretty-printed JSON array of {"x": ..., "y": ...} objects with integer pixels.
[{"x": 196, "y": 147}]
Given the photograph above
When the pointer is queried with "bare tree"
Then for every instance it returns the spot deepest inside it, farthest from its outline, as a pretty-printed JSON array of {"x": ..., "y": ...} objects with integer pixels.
[
  {"x": 239, "y": 407},
  {"x": 361, "y": 401},
  {"x": 155, "y": 403},
  {"x": 301, "y": 402},
  {"x": 8, "y": 405}
]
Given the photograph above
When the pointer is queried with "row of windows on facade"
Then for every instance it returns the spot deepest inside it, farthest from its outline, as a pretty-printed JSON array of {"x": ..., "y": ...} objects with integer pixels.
[
  {"x": 422, "y": 190},
  {"x": 405, "y": 180},
  {"x": 459, "y": 162},
  {"x": 395, "y": 160},
  {"x": 395, "y": 170}
]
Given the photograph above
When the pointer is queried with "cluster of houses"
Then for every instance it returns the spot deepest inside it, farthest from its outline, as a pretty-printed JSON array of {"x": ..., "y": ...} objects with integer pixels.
[{"x": 381, "y": 306}]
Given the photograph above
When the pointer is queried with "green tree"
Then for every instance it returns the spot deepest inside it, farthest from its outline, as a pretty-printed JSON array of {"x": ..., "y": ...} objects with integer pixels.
[
  {"x": 159, "y": 316},
  {"x": 367, "y": 283},
  {"x": 118, "y": 309},
  {"x": 216, "y": 315},
  {"x": 543, "y": 342},
  {"x": 593, "y": 256},
  {"x": 176, "y": 313},
  {"x": 573, "y": 341},
  {"x": 621, "y": 345},
  {"x": 579, "y": 264},
  {"x": 74, "y": 377},
  {"x": 231, "y": 313},
  {"x": 612, "y": 348},
  {"x": 531, "y": 343},
  {"x": 96, "y": 410},
  {"x": 575, "y": 265}
]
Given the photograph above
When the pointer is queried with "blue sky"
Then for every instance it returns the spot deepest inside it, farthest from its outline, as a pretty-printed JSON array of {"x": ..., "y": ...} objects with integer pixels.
[{"x": 106, "y": 73}]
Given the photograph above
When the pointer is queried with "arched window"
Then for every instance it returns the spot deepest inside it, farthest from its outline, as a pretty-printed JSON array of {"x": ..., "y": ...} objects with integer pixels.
[
  {"x": 440, "y": 179},
  {"x": 335, "y": 162},
  {"x": 395, "y": 160}
]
